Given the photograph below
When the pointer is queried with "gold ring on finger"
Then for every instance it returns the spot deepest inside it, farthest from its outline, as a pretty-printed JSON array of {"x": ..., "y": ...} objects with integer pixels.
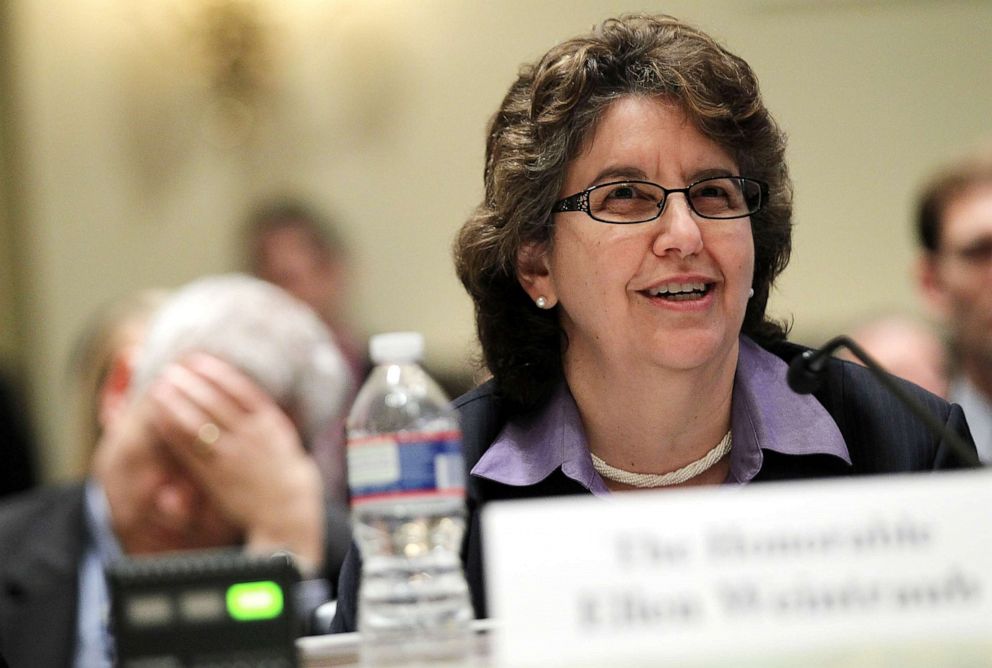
[{"x": 206, "y": 437}]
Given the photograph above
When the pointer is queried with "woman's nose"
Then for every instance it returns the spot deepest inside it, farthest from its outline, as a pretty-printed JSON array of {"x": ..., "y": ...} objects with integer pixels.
[{"x": 678, "y": 229}]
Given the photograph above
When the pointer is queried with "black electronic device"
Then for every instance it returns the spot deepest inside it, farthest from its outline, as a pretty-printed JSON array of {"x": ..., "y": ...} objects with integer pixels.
[{"x": 207, "y": 609}]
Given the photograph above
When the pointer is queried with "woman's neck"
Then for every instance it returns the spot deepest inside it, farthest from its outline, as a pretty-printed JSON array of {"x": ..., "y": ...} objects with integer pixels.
[{"x": 652, "y": 420}]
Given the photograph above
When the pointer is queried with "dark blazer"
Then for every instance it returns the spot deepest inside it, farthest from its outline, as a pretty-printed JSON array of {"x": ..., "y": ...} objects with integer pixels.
[
  {"x": 42, "y": 539},
  {"x": 882, "y": 436}
]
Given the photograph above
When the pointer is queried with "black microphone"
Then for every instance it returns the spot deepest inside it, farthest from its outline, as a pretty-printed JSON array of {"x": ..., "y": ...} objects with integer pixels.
[{"x": 806, "y": 373}]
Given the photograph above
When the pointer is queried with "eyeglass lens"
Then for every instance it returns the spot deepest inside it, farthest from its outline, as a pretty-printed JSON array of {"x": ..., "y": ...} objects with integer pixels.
[{"x": 720, "y": 197}]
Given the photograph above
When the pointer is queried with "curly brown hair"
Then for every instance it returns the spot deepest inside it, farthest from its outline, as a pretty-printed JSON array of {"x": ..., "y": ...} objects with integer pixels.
[{"x": 542, "y": 124}]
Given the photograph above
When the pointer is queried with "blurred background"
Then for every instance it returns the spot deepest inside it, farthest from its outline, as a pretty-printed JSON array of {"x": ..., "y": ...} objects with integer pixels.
[{"x": 137, "y": 136}]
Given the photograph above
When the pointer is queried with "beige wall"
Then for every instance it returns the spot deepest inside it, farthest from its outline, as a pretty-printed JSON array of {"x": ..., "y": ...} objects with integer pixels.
[
  {"x": 376, "y": 109},
  {"x": 8, "y": 334}
]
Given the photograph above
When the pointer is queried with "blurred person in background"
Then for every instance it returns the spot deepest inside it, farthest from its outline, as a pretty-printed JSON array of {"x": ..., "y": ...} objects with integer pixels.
[
  {"x": 114, "y": 332},
  {"x": 290, "y": 245},
  {"x": 954, "y": 230},
  {"x": 203, "y": 445},
  {"x": 905, "y": 347}
]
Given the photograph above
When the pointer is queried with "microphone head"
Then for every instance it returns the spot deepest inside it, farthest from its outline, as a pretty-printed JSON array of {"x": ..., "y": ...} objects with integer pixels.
[{"x": 802, "y": 377}]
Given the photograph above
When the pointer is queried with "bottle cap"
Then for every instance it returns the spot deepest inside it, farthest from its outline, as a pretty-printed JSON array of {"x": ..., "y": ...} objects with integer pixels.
[{"x": 396, "y": 347}]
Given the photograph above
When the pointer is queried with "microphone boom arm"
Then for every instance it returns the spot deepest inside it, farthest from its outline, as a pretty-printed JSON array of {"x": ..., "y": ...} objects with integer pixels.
[{"x": 803, "y": 374}]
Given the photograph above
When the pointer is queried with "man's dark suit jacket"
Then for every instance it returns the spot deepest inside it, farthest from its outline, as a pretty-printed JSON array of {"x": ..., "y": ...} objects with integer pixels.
[
  {"x": 43, "y": 537},
  {"x": 882, "y": 436}
]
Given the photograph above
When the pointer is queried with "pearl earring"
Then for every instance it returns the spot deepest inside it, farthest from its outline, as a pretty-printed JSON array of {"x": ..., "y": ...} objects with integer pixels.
[
  {"x": 750, "y": 293},
  {"x": 541, "y": 302}
]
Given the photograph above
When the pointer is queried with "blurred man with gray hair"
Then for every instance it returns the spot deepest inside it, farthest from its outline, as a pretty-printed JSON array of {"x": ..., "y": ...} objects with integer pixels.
[{"x": 204, "y": 445}]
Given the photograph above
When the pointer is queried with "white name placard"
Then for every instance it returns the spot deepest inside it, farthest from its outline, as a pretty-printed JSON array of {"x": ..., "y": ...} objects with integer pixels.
[{"x": 878, "y": 571}]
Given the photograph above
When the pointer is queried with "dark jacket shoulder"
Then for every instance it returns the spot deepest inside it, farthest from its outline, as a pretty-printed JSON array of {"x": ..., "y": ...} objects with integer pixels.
[
  {"x": 882, "y": 433},
  {"x": 42, "y": 538},
  {"x": 39, "y": 509}
]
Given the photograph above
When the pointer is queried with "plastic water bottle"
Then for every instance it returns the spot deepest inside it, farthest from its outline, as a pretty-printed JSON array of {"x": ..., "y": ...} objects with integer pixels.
[{"x": 407, "y": 481}]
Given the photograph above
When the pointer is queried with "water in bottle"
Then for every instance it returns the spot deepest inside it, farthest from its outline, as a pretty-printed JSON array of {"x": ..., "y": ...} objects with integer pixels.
[{"x": 407, "y": 482}]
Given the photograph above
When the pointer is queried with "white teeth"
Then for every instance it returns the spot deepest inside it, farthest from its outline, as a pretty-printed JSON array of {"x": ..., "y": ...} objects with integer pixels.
[{"x": 677, "y": 288}]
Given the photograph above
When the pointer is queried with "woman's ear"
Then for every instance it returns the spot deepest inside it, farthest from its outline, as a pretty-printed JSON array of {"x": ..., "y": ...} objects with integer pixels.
[{"x": 534, "y": 274}]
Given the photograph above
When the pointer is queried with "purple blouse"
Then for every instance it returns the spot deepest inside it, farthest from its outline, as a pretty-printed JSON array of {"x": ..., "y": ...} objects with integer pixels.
[{"x": 765, "y": 415}]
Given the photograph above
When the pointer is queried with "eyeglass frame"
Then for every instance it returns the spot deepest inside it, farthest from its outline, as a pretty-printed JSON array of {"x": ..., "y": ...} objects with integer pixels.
[{"x": 580, "y": 200}]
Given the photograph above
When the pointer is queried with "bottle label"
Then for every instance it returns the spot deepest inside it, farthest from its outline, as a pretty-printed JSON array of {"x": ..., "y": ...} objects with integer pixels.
[{"x": 406, "y": 465}]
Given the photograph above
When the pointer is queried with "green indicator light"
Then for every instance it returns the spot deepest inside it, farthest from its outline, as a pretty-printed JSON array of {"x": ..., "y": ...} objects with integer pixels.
[{"x": 252, "y": 601}]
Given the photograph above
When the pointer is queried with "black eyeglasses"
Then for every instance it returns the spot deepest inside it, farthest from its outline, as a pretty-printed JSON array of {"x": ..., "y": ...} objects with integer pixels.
[{"x": 625, "y": 202}]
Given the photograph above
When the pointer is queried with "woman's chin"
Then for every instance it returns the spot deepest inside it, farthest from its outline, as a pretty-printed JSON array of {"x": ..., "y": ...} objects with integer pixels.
[{"x": 691, "y": 350}]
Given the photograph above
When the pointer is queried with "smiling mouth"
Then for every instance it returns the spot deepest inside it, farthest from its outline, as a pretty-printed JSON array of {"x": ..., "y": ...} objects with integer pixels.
[{"x": 680, "y": 292}]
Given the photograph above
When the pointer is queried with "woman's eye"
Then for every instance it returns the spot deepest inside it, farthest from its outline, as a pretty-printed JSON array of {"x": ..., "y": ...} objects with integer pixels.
[
  {"x": 710, "y": 191},
  {"x": 622, "y": 192}
]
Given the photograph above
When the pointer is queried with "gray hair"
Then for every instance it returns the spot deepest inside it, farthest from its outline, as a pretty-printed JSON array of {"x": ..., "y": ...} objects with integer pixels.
[{"x": 262, "y": 330}]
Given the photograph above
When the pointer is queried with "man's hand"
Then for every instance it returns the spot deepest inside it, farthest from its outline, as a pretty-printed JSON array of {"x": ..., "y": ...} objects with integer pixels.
[{"x": 245, "y": 452}]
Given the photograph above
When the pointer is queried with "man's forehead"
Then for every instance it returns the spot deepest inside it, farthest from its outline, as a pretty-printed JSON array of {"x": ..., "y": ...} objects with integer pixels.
[{"x": 968, "y": 216}]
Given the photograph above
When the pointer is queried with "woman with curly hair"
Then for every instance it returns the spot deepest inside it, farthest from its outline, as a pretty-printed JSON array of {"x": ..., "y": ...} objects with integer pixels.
[{"x": 637, "y": 211}]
